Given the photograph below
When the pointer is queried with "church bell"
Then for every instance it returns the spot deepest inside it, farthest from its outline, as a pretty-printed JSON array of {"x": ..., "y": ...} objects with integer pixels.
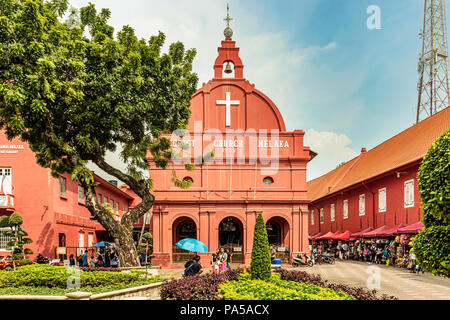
[{"x": 228, "y": 68}]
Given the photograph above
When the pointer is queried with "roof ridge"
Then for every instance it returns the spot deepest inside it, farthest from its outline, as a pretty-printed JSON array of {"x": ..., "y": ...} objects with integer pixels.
[{"x": 347, "y": 171}]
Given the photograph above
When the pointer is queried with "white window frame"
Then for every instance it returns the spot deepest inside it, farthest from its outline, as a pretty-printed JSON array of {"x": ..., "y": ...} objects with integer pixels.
[
  {"x": 332, "y": 212},
  {"x": 81, "y": 240},
  {"x": 312, "y": 217},
  {"x": 322, "y": 218},
  {"x": 62, "y": 192},
  {"x": 362, "y": 204},
  {"x": 382, "y": 200},
  {"x": 345, "y": 209},
  {"x": 408, "y": 203}
]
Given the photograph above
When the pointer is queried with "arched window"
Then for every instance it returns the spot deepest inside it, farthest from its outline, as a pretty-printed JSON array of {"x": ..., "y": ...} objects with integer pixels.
[{"x": 188, "y": 179}]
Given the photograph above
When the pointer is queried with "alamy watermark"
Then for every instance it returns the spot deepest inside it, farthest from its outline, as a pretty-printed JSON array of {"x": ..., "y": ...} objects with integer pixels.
[{"x": 374, "y": 20}]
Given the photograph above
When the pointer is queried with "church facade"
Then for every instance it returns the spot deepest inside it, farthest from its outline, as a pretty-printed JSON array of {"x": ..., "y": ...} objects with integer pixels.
[{"x": 244, "y": 163}]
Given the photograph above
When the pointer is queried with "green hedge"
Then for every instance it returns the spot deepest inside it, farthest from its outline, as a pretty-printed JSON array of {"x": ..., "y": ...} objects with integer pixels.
[
  {"x": 432, "y": 249},
  {"x": 276, "y": 289},
  {"x": 38, "y": 275}
]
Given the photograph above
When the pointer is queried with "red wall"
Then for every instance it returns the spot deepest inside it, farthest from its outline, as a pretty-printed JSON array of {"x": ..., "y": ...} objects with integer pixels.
[
  {"x": 46, "y": 213},
  {"x": 395, "y": 213}
]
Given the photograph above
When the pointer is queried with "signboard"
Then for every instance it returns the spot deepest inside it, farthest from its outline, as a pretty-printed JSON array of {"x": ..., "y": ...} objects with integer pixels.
[
  {"x": 237, "y": 249},
  {"x": 10, "y": 148}
]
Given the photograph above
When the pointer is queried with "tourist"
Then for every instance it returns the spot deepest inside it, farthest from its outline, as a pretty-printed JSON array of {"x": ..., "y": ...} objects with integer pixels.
[
  {"x": 92, "y": 262},
  {"x": 228, "y": 259},
  {"x": 84, "y": 256},
  {"x": 114, "y": 259},
  {"x": 107, "y": 259},
  {"x": 215, "y": 263},
  {"x": 193, "y": 267},
  {"x": 386, "y": 254},
  {"x": 142, "y": 258},
  {"x": 345, "y": 250},
  {"x": 100, "y": 262},
  {"x": 72, "y": 262},
  {"x": 80, "y": 261},
  {"x": 222, "y": 257}
]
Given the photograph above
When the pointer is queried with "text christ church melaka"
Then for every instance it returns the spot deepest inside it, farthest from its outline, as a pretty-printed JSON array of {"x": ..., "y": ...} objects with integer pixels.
[{"x": 256, "y": 167}]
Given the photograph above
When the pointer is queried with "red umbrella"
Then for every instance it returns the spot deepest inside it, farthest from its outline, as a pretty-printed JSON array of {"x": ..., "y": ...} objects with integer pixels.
[
  {"x": 360, "y": 233},
  {"x": 413, "y": 228},
  {"x": 376, "y": 232},
  {"x": 343, "y": 236}
]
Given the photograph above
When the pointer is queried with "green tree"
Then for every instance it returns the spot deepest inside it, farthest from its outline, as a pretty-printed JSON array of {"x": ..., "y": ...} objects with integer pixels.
[
  {"x": 261, "y": 262},
  {"x": 74, "y": 95},
  {"x": 18, "y": 238},
  {"x": 432, "y": 245}
]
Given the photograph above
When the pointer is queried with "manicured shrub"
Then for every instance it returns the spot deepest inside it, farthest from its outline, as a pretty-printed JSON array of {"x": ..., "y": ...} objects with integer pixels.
[
  {"x": 432, "y": 249},
  {"x": 261, "y": 261},
  {"x": 56, "y": 276},
  {"x": 434, "y": 183},
  {"x": 88, "y": 269},
  {"x": 246, "y": 288}
]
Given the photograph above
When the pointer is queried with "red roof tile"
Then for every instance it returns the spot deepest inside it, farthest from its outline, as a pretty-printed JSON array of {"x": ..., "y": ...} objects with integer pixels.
[{"x": 406, "y": 147}]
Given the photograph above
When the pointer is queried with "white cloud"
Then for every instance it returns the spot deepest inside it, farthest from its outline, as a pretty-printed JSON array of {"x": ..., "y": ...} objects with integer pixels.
[{"x": 332, "y": 149}]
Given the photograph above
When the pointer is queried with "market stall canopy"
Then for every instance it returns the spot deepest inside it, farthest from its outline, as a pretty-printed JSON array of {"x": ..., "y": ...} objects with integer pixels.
[
  {"x": 390, "y": 231},
  {"x": 413, "y": 228},
  {"x": 326, "y": 236},
  {"x": 335, "y": 235},
  {"x": 314, "y": 237},
  {"x": 376, "y": 232},
  {"x": 344, "y": 236},
  {"x": 360, "y": 233}
]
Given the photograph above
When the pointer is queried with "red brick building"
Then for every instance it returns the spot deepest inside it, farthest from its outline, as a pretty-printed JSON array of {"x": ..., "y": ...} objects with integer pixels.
[
  {"x": 378, "y": 187},
  {"x": 52, "y": 209}
]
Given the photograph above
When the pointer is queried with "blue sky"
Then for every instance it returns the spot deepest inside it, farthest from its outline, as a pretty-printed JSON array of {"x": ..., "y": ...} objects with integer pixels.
[{"x": 345, "y": 85}]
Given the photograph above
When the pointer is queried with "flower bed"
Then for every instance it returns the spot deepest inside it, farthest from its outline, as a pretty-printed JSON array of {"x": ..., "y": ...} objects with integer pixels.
[
  {"x": 276, "y": 289},
  {"x": 53, "y": 280},
  {"x": 357, "y": 292},
  {"x": 206, "y": 287}
]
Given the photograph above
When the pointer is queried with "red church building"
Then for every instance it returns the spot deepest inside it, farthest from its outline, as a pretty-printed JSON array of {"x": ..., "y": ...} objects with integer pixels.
[
  {"x": 378, "y": 187},
  {"x": 257, "y": 167}
]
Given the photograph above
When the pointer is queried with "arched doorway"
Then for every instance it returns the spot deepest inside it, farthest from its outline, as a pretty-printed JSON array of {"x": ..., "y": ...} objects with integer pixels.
[
  {"x": 278, "y": 236},
  {"x": 231, "y": 237},
  {"x": 182, "y": 228}
]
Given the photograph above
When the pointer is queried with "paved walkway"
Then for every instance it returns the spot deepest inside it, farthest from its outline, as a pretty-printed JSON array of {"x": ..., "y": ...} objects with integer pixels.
[{"x": 392, "y": 281}]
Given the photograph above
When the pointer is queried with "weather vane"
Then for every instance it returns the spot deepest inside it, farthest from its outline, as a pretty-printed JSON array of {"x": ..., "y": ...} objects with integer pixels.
[{"x": 228, "y": 31}]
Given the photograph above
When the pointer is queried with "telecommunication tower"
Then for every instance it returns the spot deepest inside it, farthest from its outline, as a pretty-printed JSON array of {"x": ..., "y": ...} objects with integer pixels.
[{"x": 433, "y": 77}]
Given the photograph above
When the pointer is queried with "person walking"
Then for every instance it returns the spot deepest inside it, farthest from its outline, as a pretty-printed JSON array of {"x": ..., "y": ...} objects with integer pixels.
[
  {"x": 84, "y": 256},
  {"x": 215, "y": 263}
]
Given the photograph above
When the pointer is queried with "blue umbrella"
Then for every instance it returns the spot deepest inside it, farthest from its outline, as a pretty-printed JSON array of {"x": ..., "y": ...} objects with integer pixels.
[
  {"x": 102, "y": 244},
  {"x": 192, "y": 245}
]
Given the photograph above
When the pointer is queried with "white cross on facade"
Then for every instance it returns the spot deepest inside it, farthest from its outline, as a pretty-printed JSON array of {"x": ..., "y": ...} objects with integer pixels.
[{"x": 228, "y": 103}]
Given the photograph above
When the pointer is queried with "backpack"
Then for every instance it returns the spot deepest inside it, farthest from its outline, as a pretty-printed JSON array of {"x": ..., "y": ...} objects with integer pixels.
[{"x": 187, "y": 269}]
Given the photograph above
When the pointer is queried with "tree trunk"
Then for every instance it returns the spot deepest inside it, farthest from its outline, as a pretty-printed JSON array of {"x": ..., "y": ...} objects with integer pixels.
[{"x": 126, "y": 248}]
